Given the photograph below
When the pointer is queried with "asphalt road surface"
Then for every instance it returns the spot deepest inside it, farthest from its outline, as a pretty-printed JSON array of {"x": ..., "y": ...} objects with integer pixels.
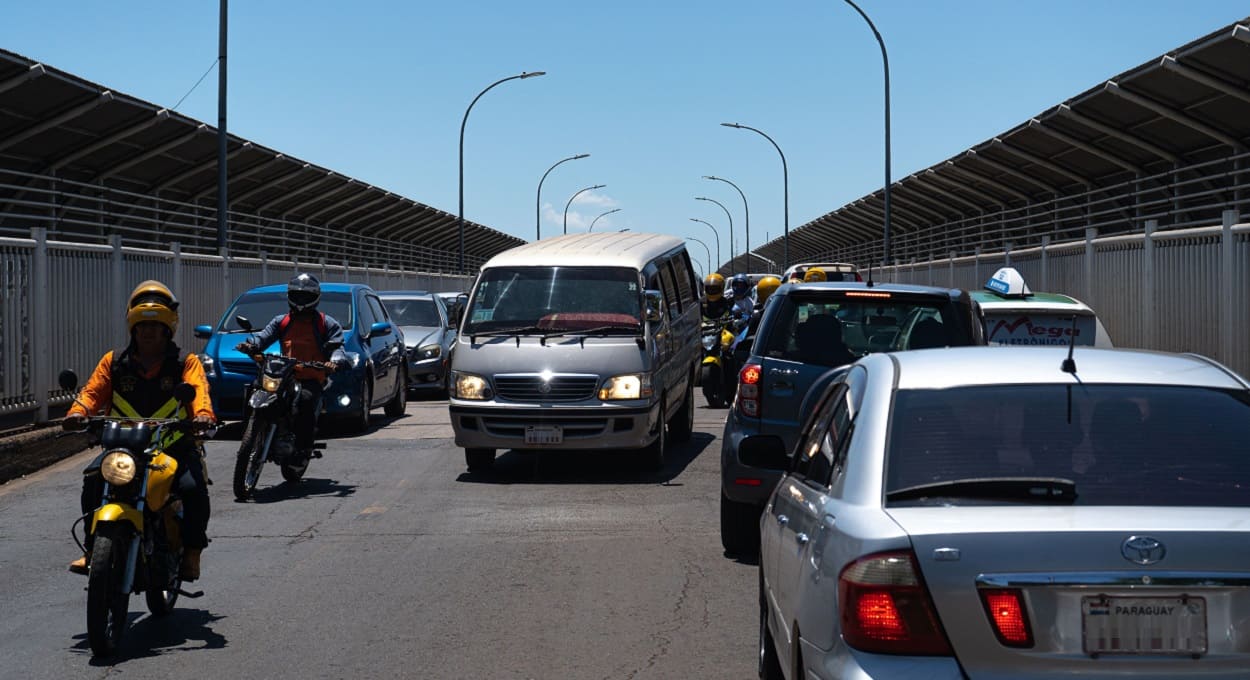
[{"x": 389, "y": 560}]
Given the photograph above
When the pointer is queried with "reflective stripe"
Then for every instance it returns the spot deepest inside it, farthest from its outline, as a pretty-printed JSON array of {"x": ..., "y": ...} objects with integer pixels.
[{"x": 123, "y": 408}]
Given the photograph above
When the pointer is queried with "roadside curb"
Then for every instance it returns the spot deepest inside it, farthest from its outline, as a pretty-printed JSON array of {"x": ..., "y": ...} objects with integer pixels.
[{"x": 34, "y": 450}]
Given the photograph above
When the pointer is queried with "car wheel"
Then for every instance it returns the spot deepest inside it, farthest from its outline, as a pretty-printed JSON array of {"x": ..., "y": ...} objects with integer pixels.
[
  {"x": 739, "y": 527},
  {"x": 769, "y": 665},
  {"x": 479, "y": 460},
  {"x": 682, "y": 425},
  {"x": 361, "y": 421},
  {"x": 653, "y": 453},
  {"x": 399, "y": 404}
]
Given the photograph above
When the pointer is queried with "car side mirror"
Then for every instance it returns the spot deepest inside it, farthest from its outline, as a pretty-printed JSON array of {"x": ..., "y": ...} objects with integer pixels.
[
  {"x": 184, "y": 393},
  {"x": 764, "y": 451},
  {"x": 243, "y": 322},
  {"x": 203, "y": 331},
  {"x": 655, "y": 305},
  {"x": 379, "y": 328},
  {"x": 68, "y": 380}
]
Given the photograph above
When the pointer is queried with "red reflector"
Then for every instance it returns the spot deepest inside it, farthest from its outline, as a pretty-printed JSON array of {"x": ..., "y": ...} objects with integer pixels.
[
  {"x": 878, "y": 617},
  {"x": 1006, "y": 611},
  {"x": 866, "y": 294},
  {"x": 747, "y": 481}
]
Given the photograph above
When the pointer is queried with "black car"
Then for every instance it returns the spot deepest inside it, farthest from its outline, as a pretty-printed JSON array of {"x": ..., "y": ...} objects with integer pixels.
[{"x": 808, "y": 329}]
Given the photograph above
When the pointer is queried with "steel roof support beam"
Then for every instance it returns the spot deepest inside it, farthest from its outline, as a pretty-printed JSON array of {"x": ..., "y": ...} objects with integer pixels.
[
  {"x": 375, "y": 219},
  {"x": 1041, "y": 162},
  {"x": 1085, "y": 146},
  {"x": 31, "y": 73},
  {"x": 1171, "y": 64},
  {"x": 63, "y": 117},
  {"x": 1014, "y": 172},
  {"x": 948, "y": 214},
  {"x": 836, "y": 229},
  {"x": 399, "y": 221},
  {"x": 1241, "y": 33},
  {"x": 205, "y": 165},
  {"x": 363, "y": 206},
  {"x": 998, "y": 186},
  {"x": 116, "y": 136},
  {"x": 151, "y": 153},
  {"x": 415, "y": 226},
  {"x": 934, "y": 176},
  {"x": 212, "y": 188},
  {"x": 301, "y": 189},
  {"x": 1117, "y": 133},
  {"x": 928, "y": 186},
  {"x": 1173, "y": 115},
  {"x": 875, "y": 215},
  {"x": 241, "y": 198},
  {"x": 918, "y": 210}
]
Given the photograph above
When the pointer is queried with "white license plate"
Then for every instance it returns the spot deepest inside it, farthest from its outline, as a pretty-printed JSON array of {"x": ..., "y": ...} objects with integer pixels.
[
  {"x": 1144, "y": 625},
  {"x": 544, "y": 434}
]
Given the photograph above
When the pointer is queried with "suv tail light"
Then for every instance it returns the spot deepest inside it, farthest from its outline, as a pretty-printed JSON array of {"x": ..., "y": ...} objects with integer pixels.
[
  {"x": 749, "y": 390},
  {"x": 1005, "y": 607},
  {"x": 886, "y": 608}
]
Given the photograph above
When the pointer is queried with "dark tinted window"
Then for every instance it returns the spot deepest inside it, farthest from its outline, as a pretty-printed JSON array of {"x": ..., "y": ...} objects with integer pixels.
[
  {"x": 1120, "y": 444},
  {"x": 671, "y": 295},
  {"x": 820, "y": 450},
  {"x": 831, "y": 328},
  {"x": 685, "y": 278},
  {"x": 261, "y": 308},
  {"x": 366, "y": 314},
  {"x": 375, "y": 306},
  {"x": 419, "y": 312}
]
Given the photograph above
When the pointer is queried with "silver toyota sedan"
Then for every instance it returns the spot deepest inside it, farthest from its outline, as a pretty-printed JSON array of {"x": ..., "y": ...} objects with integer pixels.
[{"x": 1006, "y": 513}]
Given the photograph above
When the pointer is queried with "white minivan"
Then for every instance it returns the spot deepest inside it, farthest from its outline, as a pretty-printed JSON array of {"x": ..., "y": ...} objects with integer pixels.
[{"x": 584, "y": 341}]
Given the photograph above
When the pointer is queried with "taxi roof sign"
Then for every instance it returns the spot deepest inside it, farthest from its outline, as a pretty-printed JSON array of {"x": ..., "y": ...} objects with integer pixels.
[{"x": 1008, "y": 282}]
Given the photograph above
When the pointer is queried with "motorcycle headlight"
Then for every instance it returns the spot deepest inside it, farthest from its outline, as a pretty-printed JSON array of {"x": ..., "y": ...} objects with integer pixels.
[
  {"x": 709, "y": 341},
  {"x": 470, "y": 386},
  {"x": 269, "y": 384},
  {"x": 429, "y": 351},
  {"x": 210, "y": 366},
  {"x": 118, "y": 468},
  {"x": 632, "y": 386}
]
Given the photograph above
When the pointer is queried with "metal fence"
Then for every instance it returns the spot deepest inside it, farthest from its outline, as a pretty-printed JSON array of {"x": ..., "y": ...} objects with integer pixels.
[
  {"x": 1183, "y": 290},
  {"x": 62, "y": 305}
]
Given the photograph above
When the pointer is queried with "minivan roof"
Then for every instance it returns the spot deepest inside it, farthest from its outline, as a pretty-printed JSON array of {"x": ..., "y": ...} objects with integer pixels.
[{"x": 612, "y": 249}]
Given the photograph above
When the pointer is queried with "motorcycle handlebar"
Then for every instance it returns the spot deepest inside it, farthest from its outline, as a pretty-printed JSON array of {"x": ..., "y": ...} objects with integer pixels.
[{"x": 323, "y": 365}]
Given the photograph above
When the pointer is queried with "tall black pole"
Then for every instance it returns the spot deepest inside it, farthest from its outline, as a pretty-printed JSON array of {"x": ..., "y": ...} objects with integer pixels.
[
  {"x": 745, "y": 208},
  {"x": 885, "y": 61},
  {"x": 538, "y": 201},
  {"x": 714, "y": 233},
  {"x": 785, "y": 184},
  {"x": 460, "y": 217},
  {"x": 732, "y": 269},
  {"x": 222, "y": 198}
]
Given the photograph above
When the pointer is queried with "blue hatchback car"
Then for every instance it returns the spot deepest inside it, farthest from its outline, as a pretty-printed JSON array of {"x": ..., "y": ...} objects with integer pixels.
[{"x": 377, "y": 377}]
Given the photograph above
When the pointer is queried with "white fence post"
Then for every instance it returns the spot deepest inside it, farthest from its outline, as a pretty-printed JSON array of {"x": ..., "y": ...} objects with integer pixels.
[
  {"x": 951, "y": 259},
  {"x": 1046, "y": 262},
  {"x": 225, "y": 278},
  {"x": 40, "y": 360},
  {"x": 976, "y": 265},
  {"x": 176, "y": 249},
  {"x": 1148, "y": 285},
  {"x": 117, "y": 313},
  {"x": 1227, "y": 279},
  {"x": 264, "y": 268},
  {"x": 1007, "y": 253},
  {"x": 1091, "y": 233}
]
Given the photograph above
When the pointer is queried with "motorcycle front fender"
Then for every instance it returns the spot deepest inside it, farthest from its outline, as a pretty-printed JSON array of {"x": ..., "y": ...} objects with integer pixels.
[
  {"x": 117, "y": 512},
  {"x": 261, "y": 399}
]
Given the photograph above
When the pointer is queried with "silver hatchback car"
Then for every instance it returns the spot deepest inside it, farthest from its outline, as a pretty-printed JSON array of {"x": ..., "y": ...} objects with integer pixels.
[{"x": 1003, "y": 513}]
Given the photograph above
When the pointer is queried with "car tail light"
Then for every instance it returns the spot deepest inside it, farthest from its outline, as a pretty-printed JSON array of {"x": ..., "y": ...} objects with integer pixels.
[
  {"x": 749, "y": 390},
  {"x": 1006, "y": 610},
  {"x": 886, "y": 608}
]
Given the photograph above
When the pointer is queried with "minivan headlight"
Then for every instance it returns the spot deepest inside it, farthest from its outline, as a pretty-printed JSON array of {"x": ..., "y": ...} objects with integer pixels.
[
  {"x": 631, "y": 386},
  {"x": 470, "y": 386}
]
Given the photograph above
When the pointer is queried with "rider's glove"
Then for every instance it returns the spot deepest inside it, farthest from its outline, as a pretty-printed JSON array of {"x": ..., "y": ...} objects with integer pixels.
[
  {"x": 74, "y": 422},
  {"x": 245, "y": 347},
  {"x": 202, "y": 422}
]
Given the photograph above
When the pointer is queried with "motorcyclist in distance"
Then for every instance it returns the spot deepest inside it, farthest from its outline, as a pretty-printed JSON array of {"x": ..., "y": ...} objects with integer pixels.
[
  {"x": 715, "y": 305},
  {"x": 743, "y": 303},
  {"x": 307, "y": 335},
  {"x": 138, "y": 381}
]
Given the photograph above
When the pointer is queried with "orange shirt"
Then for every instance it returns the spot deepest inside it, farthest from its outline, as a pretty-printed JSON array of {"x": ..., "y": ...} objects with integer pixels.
[
  {"x": 97, "y": 394},
  {"x": 300, "y": 342}
]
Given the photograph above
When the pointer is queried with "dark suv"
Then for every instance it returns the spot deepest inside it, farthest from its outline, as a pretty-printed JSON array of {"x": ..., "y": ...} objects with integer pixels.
[{"x": 806, "y": 330}]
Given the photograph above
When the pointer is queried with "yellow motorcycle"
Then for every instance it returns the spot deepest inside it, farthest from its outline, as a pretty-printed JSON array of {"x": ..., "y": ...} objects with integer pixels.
[
  {"x": 716, "y": 373},
  {"x": 137, "y": 546}
]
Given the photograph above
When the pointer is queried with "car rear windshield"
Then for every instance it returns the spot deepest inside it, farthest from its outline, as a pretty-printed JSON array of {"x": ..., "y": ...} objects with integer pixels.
[
  {"x": 831, "y": 327},
  {"x": 412, "y": 312},
  {"x": 556, "y": 298},
  {"x": 261, "y": 308},
  {"x": 1119, "y": 444}
]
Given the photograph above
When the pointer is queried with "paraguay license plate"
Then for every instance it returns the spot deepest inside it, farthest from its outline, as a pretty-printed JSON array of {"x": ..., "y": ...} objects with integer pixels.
[
  {"x": 544, "y": 434},
  {"x": 1144, "y": 625}
]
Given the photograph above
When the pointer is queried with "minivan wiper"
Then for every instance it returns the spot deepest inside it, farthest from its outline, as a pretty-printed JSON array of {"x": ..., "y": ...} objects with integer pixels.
[
  {"x": 603, "y": 330},
  {"x": 1049, "y": 490},
  {"x": 519, "y": 330}
]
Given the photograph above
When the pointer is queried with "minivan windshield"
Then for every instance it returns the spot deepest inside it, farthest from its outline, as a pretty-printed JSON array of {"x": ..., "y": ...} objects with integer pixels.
[
  {"x": 261, "y": 308},
  {"x": 538, "y": 299},
  {"x": 1117, "y": 444}
]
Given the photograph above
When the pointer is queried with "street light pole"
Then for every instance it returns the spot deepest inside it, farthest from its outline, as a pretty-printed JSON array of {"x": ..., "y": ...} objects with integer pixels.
[
  {"x": 538, "y": 202},
  {"x": 566, "y": 205},
  {"x": 223, "y": 203},
  {"x": 460, "y": 218},
  {"x": 885, "y": 61},
  {"x": 731, "y": 228},
  {"x": 592, "y": 222},
  {"x": 785, "y": 184},
  {"x": 745, "y": 208},
  {"x": 709, "y": 251},
  {"x": 714, "y": 233}
]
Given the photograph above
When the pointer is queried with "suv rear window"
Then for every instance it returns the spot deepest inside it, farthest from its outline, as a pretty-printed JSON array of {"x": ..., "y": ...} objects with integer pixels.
[
  {"x": 835, "y": 327},
  {"x": 1146, "y": 445}
]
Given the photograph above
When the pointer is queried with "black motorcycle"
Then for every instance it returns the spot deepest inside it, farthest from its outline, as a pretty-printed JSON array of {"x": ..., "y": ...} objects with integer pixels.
[
  {"x": 272, "y": 400},
  {"x": 718, "y": 376}
]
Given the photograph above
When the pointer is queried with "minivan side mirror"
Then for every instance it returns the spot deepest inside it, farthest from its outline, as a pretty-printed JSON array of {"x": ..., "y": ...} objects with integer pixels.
[
  {"x": 655, "y": 305},
  {"x": 204, "y": 331},
  {"x": 764, "y": 451}
]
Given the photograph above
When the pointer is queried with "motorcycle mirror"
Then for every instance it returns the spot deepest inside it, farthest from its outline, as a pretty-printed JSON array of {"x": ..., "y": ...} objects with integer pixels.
[
  {"x": 184, "y": 392},
  {"x": 243, "y": 322},
  {"x": 68, "y": 380}
]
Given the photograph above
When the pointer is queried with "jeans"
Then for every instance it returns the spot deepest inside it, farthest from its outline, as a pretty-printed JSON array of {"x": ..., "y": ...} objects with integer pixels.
[{"x": 305, "y": 421}]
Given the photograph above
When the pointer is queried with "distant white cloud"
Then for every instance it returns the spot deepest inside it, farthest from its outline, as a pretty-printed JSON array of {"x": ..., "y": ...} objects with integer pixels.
[{"x": 594, "y": 204}]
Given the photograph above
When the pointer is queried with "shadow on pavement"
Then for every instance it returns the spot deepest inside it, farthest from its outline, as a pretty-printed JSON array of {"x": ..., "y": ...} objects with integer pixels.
[
  {"x": 308, "y": 487},
  {"x": 148, "y": 636}
]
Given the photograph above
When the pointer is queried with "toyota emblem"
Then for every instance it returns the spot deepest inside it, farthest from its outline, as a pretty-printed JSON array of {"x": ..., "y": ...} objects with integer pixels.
[{"x": 1143, "y": 550}]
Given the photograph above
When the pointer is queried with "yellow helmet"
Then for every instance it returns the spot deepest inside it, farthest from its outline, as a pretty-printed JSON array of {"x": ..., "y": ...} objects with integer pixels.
[
  {"x": 714, "y": 286},
  {"x": 814, "y": 274},
  {"x": 152, "y": 301},
  {"x": 767, "y": 286}
]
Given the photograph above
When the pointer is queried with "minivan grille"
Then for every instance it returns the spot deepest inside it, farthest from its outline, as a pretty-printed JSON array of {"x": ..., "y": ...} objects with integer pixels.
[{"x": 535, "y": 388}]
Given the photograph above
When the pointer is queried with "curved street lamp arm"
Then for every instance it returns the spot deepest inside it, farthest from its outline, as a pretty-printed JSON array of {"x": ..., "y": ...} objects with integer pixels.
[
  {"x": 538, "y": 201},
  {"x": 731, "y": 228},
  {"x": 592, "y": 222},
  {"x": 885, "y": 62},
  {"x": 746, "y": 209},
  {"x": 785, "y": 183},
  {"x": 709, "y": 251},
  {"x": 566, "y": 205},
  {"x": 714, "y": 233}
]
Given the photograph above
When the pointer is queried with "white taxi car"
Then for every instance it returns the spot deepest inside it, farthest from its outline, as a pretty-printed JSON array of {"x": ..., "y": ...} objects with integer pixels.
[{"x": 1015, "y": 315}]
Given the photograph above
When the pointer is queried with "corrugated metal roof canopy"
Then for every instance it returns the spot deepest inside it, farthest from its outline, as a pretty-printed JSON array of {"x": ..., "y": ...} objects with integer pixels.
[
  {"x": 1188, "y": 107},
  {"x": 55, "y": 123}
]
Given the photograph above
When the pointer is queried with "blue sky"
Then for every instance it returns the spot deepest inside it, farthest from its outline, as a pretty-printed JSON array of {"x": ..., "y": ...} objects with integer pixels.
[{"x": 376, "y": 90}]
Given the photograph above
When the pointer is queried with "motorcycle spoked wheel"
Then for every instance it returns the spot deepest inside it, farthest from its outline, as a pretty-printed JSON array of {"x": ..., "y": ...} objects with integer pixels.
[
  {"x": 161, "y": 599},
  {"x": 251, "y": 458},
  {"x": 107, "y": 606}
]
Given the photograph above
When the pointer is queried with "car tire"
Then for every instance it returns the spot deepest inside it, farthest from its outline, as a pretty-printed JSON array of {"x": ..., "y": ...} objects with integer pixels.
[
  {"x": 769, "y": 665},
  {"x": 398, "y": 405},
  {"x": 479, "y": 460},
  {"x": 360, "y": 423},
  {"x": 739, "y": 527},
  {"x": 653, "y": 454},
  {"x": 682, "y": 425}
]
